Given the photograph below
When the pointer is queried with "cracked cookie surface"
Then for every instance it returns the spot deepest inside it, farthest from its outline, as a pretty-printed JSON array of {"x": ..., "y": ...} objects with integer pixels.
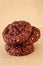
[
  {"x": 35, "y": 35},
  {"x": 17, "y": 32}
]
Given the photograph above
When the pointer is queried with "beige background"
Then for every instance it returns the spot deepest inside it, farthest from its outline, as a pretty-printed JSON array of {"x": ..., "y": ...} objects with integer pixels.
[{"x": 28, "y": 10}]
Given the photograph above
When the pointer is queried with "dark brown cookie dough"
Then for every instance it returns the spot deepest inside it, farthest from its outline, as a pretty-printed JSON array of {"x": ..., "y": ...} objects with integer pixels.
[
  {"x": 35, "y": 35},
  {"x": 19, "y": 50},
  {"x": 19, "y": 37},
  {"x": 17, "y": 32}
]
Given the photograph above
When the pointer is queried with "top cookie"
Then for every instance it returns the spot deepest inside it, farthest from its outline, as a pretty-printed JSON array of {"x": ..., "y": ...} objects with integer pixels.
[{"x": 17, "y": 32}]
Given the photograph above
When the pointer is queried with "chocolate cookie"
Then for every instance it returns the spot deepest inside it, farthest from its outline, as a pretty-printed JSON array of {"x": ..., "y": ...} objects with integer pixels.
[
  {"x": 35, "y": 35},
  {"x": 19, "y": 50},
  {"x": 17, "y": 32},
  {"x": 19, "y": 37}
]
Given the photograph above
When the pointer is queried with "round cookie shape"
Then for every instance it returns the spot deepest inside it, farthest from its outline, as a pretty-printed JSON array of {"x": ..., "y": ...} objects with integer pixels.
[
  {"x": 17, "y": 32},
  {"x": 35, "y": 35},
  {"x": 19, "y": 50}
]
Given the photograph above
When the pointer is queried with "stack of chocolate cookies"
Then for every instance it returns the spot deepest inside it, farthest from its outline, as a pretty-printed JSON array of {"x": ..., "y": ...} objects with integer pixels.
[{"x": 20, "y": 37}]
